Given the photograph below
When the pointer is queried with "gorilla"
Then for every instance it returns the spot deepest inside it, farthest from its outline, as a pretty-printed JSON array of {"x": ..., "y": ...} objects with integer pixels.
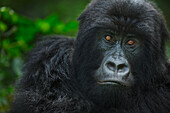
[{"x": 117, "y": 64}]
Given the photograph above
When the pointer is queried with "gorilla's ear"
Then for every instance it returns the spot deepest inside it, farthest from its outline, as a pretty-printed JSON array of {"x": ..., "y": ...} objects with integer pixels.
[
  {"x": 81, "y": 17},
  {"x": 164, "y": 31},
  {"x": 163, "y": 28},
  {"x": 164, "y": 34}
]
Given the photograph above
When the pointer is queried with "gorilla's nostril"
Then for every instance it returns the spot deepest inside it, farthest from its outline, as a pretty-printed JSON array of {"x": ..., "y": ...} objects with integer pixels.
[
  {"x": 111, "y": 66},
  {"x": 122, "y": 68}
]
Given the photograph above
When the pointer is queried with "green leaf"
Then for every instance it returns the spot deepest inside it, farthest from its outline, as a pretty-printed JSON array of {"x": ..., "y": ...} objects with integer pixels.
[{"x": 3, "y": 27}]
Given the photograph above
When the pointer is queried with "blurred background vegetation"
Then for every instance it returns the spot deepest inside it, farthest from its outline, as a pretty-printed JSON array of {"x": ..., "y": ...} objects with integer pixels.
[{"x": 23, "y": 22}]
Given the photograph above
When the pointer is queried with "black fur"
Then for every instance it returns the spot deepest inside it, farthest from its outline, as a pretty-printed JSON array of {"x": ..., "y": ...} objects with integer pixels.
[{"x": 57, "y": 70}]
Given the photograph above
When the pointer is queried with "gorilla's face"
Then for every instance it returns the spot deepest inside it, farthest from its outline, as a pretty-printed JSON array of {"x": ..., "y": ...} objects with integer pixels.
[
  {"x": 106, "y": 58},
  {"x": 116, "y": 50}
]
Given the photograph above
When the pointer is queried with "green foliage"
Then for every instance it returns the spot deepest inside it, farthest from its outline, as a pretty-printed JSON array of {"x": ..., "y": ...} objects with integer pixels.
[{"x": 17, "y": 36}]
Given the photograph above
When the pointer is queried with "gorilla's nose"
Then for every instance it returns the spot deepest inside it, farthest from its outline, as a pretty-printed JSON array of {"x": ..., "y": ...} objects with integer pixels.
[{"x": 117, "y": 66}]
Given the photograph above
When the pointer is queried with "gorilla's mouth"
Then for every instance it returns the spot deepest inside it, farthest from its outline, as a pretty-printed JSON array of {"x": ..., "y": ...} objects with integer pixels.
[
  {"x": 109, "y": 82},
  {"x": 114, "y": 82}
]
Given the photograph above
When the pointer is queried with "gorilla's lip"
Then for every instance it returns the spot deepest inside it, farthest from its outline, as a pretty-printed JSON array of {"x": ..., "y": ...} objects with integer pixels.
[
  {"x": 109, "y": 83},
  {"x": 112, "y": 82}
]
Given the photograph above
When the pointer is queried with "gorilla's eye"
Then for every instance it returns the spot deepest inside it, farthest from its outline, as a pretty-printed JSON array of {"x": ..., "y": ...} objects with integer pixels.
[
  {"x": 109, "y": 38},
  {"x": 130, "y": 42}
]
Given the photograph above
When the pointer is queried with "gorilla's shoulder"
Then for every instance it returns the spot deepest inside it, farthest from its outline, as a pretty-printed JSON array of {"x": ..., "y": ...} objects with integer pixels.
[
  {"x": 46, "y": 85},
  {"x": 48, "y": 62},
  {"x": 51, "y": 46}
]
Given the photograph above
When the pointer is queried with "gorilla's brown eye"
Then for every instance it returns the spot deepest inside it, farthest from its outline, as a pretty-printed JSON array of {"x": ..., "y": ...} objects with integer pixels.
[
  {"x": 130, "y": 42},
  {"x": 109, "y": 38}
]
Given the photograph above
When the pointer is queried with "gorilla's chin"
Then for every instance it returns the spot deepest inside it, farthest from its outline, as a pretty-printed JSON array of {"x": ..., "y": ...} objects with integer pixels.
[{"x": 110, "y": 95}]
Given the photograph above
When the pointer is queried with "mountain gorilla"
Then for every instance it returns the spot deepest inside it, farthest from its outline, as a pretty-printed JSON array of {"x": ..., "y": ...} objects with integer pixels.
[{"x": 117, "y": 64}]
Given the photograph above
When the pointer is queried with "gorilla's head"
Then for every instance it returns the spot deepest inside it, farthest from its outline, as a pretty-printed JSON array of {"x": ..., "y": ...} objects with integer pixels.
[{"x": 119, "y": 50}]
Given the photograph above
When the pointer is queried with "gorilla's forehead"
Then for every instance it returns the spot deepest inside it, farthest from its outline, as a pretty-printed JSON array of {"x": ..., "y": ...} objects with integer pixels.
[{"x": 121, "y": 13}]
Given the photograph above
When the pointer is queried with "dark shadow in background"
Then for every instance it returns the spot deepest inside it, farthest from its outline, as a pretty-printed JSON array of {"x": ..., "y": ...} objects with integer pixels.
[{"x": 66, "y": 9}]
